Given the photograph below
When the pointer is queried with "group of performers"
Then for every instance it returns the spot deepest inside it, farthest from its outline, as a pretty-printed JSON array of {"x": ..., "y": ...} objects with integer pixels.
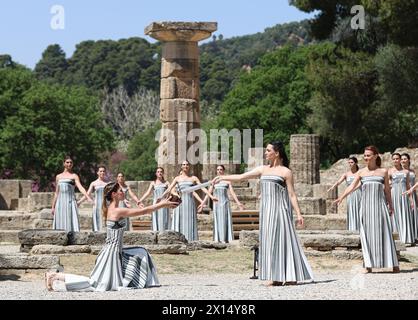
[
  {"x": 403, "y": 204},
  {"x": 281, "y": 257}
]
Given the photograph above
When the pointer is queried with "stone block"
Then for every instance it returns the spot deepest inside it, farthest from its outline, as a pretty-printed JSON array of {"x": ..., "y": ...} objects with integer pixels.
[
  {"x": 180, "y": 68},
  {"x": 180, "y": 50},
  {"x": 31, "y": 237},
  {"x": 312, "y": 206},
  {"x": 86, "y": 238},
  {"x": 248, "y": 238},
  {"x": 20, "y": 261},
  {"x": 167, "y": 248},
  {"x": 174, "y": 88},
  {"x": 9, "y": 189},
  {"x": 140, "y": 238},
  {"x": 304, "y": 190},
  {"x": 170, "y": 237},
  {"x": 53, "y": 249},
  {"x": 180, "y": 110},
  {"x": 15, "y": 220},
  {"x": 320, "y": 191}
]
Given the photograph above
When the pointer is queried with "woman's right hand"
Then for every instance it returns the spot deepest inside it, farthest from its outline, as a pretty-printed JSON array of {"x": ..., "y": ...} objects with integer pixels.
[
  {"x": 53, "y": 211},
  {"x": 337, "y": 202},
  {"x": 164, "y": 203}
]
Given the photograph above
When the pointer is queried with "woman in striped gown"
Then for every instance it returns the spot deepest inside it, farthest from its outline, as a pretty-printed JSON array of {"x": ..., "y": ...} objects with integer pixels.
[
  {"x": 281, "y": 257},
  {"x": 97, "y": 187},
  {"x": 222, "y": 217},
  {"x": 116, "y": 267},
  {"x": 160, "y": 218},
  {"x": 403, "y": 215},
  {"x": 353, "y": 200},
  {"x": 406, "y": 164},
  {"x": 185, "y": 216},
  {"x": 377, "y": 244},
  {"x": 128, "y": 192},
  {"x": 64, "y": 205}
]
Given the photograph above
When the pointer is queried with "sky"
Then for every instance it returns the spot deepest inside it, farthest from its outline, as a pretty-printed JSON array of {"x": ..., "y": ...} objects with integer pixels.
[{"x": 27, "y": 27}]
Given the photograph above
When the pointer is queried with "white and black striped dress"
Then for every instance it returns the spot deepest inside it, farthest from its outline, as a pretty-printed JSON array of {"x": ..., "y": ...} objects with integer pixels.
[
  {"x": 97, "y": 208},
  {"x": 66, "y": 211},
  {"x": 402, "y": 209},
  {"x": 377, "y": 244},
  {"x": 123, "y": 205},
  {"x": 414, "y": 203},
  {"x": 281, "y": 257},
  {"x": 161, "y": 217},
  {"x": 116, "y": 267},
  {"x": 185, "y": 216},
  {"x": 222, "y": 219},
  {"x": 353, "y": 207}
]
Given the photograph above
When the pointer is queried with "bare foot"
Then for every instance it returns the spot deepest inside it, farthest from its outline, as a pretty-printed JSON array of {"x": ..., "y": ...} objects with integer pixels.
[
  {"x": 396, "y": 270},
  {"x": 49, "y": 280},
  {"x": 367, "y": 270}
]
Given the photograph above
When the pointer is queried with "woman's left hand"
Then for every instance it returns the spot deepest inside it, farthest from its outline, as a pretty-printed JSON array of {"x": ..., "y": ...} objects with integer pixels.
[{"x": 300, "y": 220}]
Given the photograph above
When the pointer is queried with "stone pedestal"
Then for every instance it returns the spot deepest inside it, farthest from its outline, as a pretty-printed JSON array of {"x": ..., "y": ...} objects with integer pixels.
[
  {"x": 304, "y": 155},
  {"x": 179, "y": 105}
]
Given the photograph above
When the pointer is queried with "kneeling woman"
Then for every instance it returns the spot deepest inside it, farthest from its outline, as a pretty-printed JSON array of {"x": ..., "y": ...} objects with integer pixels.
[{"x": 116, "y": 268}]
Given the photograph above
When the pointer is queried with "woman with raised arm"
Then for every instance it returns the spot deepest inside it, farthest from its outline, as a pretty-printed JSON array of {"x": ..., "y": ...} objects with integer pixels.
[
  {"x": 64, "y": 204},
  {"x": 127, "y": 191},
  {"x": 281, "y": 257},
  {"x": 222, "y": 216},
  {"x": 403, "y": 214},
  {"x": 377, "y": 244},
  {"x": 185, "y": 216},
  {"x": 116, "y": 267},
  {"x": 353, "y": 200},
  {"x": 97, "y": 187},
  {"x": 161, "y": 217},
  {"x": 406, "y": 164}
]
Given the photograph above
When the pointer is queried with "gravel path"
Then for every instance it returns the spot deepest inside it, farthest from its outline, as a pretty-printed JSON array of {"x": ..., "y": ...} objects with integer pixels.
[{"x": 328, "y": 285}]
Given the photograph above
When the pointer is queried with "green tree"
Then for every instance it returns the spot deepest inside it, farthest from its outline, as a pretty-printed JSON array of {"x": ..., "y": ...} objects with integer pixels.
[
  {"x": 141, "y": 161},
  {"x": 53, "y": 64},
  {"x": 342, "y": 103},
  {"x": 273, "y": 96},
  {"x": 49, "y": 122}
]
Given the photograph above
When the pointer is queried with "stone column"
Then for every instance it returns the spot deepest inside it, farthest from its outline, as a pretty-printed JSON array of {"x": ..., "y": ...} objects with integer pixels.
[
  {"x": 304, "y": 158},
  {"x": 179, "y": 93}
]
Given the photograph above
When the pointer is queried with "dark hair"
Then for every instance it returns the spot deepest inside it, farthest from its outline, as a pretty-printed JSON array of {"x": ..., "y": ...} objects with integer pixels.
[
  {"x": 160, "y": 168},
  {"x": 107, "y": 196},
  {"x": 156, "y": 173},
  {"x": 220, "y": 165},
  {"x": 99, "y": 167},
  {"x": 396, "y": 154},
  {"x": 406, "y": 155},
  {"x": 120, "y": 172},
  {"x": 67, "y": 157},
  {"x": 278, "y": 146},
  {"x": 355, "y": 161},
  {"x": 375, "y": 151}
]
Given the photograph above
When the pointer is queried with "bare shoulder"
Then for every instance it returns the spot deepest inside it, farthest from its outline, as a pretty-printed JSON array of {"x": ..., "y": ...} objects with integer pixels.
[
  {"x": 287, "y": 173},
  {"x": 384, "y": 171}
]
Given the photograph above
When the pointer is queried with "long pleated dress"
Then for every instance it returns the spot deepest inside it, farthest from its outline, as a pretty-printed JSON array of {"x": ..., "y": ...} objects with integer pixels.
[
  {"x": 222, "y": 218},
  {"x": 97, "y": 208},
  {"x": 116, "y": 267},
  {"x": 161, "y": 217},
  {"x": 185, "y": 216},
  {"x": 66, "y": 211},
  {"x": 414, "y": 203},
  {"x": 377, "y": 244},
  {"x": 281, "y": 257},
  {"x": 402, "y": 208},
  {"x": 353, "y": 207},
  {"x": 123, "y": 205}
]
